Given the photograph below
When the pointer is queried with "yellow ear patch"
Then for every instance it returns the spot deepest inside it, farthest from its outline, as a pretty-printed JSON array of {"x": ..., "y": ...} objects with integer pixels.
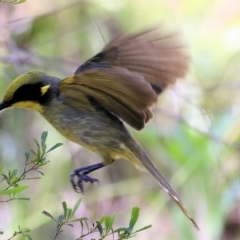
[{"x": 45, "y": 89}]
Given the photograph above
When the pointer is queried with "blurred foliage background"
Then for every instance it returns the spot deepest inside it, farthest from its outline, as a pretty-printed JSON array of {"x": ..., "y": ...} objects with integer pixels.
[{"x": 194, "y": 138}]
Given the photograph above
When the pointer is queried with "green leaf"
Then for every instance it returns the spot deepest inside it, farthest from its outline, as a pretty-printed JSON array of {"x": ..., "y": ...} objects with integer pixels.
[
  {"x": 27, "y": 155},
  {"x": 49, "y": 215},
  {"x": 13, "y": 190},
  {"x": 68, "y": 224},
  {"x": 69, "y": 213},
  {"x": 144, "y": 228},
  {"x": 100, "y": 228},
  {"x": 19, "y": 1},
  {"x": 40, "y": 164},
  {"x": 13, "y": 172},
  {"x": 33, "y": 152},
  {"x": 44, "y": 137},
  {"x": 26, "y": 199},
  {"x": 13, "y": 180},
  {"x": 64, "y": 204},
  {"x": 5, "y": 177},
  {"x": 76, "y": 207},
  {"x": 26, "y": 230},
  {"x": 134, "y": 218},
  {"x": 37, "y": 144},
  {"x": 43, "y": 140},
  {"x": 35, "y": 160},
  {"x": 80, "y": 219},
  {"x": 54, "y": 147},
  {"x": 13, "y": 1},
  {"x": 34, "y": 177},
  {"x": 108, "y": 220},
  {"x": 122, "y": 229}
]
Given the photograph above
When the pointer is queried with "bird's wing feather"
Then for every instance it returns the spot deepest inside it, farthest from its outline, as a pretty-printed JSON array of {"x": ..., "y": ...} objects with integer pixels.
[
  {"x": 159, "y": 57},
  {"x": 127, "y": 95},
  {"x": 127, "y": 75}
]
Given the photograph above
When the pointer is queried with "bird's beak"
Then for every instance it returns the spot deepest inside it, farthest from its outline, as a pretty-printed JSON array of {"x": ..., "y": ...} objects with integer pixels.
[{"x": 3, "y": 105}]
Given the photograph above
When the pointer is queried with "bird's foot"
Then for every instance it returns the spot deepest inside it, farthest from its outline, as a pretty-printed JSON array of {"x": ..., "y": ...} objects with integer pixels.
[
  {"x": 77, "y": 179},
  {"x": 80, "y": 175}
]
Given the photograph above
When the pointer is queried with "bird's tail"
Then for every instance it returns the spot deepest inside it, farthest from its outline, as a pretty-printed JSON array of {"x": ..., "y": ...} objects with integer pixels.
[{"x": 140, "y": 155}]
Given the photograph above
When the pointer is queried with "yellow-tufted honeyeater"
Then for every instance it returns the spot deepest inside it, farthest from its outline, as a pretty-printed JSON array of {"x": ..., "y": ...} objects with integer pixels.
[{"x": 119, "y": 84}]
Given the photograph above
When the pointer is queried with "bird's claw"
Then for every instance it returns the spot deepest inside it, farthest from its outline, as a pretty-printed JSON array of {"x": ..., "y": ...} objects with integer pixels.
[
  {"x": 77, "y": 179},
  {"x": 80, "y": 175}
]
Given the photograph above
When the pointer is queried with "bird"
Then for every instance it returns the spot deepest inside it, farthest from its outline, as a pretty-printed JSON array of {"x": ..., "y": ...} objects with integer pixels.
[{"x": 117, "y": 86}]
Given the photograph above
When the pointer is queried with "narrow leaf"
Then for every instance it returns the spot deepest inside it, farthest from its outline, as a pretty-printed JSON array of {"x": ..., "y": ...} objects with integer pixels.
[
  {"x": 38, "y": 154},
  {"x": 54, "y": 147},
  {"x": 35, "y": 160},
  {"x": 70, "y": 225},
  {"x": 14, "y": 172},
  {"x": 76, "y": 206},
  {"x": 80, "y": 219},
  {"x": 134, "y": 218},
  {"x": 19, "y": 1},
  {"x": 123, "y": 229},
  {"x": 108, "y": 223},
  {"x": 13, "y": 190},
  {"x": 27, "y": 155},
  {"x": 44, "y": 138},
  {"x": 100, "y": 228},
  {"x": 26, "y": 199},
  {"x": 13, "y": 1},
  {"x": 69, "y": 213},
  {"x": 33, "y": 152},
  {"x": 25, "y": 230},
  {"x": 5, "y": 177},
  {"x": 37, "y": 144},
  {"x": 64, "y": 204},
  {"x": 43, "y": 141},
  {"x": 144, "y": 228},
  {"x": 33, "y": 177},
  {"x": 13, "y": 180},
  {"x": 49, "y": 215}
]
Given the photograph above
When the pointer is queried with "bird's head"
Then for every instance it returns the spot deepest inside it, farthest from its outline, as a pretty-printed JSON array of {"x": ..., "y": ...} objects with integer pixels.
[{"x": 30, "y": 90}]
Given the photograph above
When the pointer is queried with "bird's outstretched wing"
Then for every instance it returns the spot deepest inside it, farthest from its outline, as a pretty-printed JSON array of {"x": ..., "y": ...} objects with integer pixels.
[
  {"x": 127, "y": 95},
  {"x": 159, "y": 57},
  {"x": 126, "y": 76}
]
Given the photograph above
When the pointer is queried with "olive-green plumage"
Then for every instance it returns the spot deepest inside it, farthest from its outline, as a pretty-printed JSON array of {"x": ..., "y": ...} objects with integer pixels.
[{"x": 120, "y": 84}]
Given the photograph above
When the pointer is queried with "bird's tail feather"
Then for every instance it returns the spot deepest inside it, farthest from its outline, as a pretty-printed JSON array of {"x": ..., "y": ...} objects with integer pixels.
[{"x": 141, "y": 155}]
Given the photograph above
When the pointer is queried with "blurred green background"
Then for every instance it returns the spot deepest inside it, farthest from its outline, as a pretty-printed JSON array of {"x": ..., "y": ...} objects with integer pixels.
[{"x": 193, "y": 139}]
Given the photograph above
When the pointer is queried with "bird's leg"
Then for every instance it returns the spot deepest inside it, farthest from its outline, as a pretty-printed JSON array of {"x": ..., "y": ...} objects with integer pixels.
[{"x": 82, "y": 176}]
